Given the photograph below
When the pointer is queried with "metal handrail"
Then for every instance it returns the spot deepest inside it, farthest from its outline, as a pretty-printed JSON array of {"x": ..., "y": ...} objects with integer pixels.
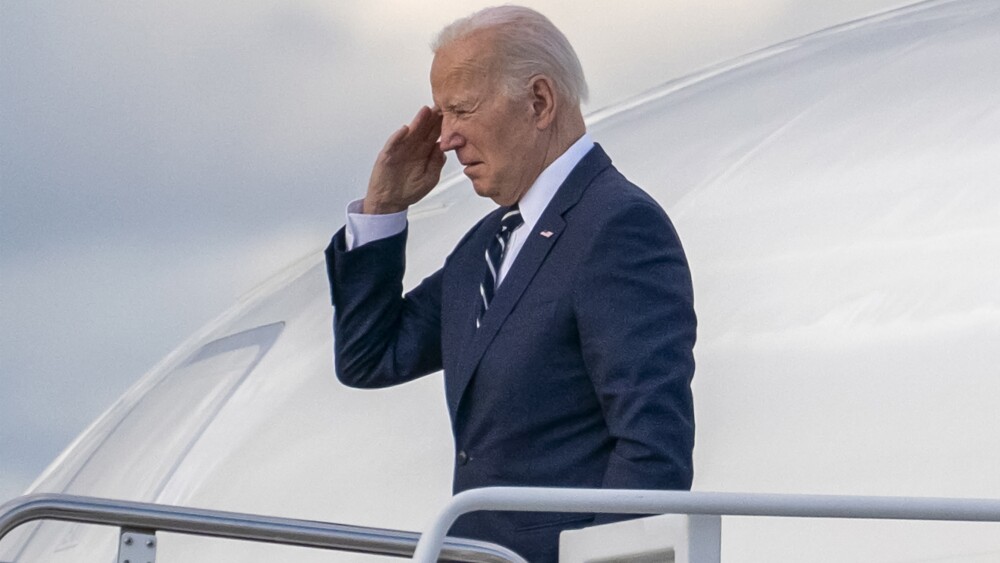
[
  {"x": 232, "y": 525},
  {"x": 620, "y": 501}
]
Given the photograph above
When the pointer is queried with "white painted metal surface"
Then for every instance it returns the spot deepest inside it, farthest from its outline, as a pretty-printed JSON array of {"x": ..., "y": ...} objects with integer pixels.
[
  {"x": 136, "y": 546},
  {"x": 665, "y": 538},
  {"x": 838, "y": 201}
]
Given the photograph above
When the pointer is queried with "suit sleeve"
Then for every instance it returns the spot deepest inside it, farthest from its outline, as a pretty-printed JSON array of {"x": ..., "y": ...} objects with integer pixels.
[
  {"x": 381, "y": 337},
  {"x": 636, "y": 320}
]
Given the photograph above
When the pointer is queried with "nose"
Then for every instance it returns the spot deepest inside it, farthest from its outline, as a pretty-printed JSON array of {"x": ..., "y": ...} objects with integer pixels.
[{"x": 451, "y": 138}]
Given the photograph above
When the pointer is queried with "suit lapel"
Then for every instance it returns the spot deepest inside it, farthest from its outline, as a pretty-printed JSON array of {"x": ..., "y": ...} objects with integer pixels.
[{"x": 526, "y": 264}]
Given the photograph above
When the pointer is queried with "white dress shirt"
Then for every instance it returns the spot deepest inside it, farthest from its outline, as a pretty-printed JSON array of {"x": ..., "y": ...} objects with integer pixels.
[{"x": 364, "y": 228}]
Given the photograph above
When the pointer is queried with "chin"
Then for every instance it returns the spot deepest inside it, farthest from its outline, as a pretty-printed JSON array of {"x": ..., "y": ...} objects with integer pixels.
[
  {"x": 482, "y": 190},
  {"x": 486, "y": 190}
]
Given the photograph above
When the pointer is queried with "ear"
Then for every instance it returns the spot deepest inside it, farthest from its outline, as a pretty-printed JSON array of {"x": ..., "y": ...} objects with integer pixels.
[{"x": 543, "y": 101}]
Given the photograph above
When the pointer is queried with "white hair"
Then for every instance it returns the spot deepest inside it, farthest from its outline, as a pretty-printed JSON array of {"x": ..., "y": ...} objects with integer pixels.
[{"x": 527, "y": 43}]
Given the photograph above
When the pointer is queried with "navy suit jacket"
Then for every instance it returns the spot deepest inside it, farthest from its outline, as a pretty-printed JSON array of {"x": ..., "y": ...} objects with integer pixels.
[{"x": 580, "y": 373}]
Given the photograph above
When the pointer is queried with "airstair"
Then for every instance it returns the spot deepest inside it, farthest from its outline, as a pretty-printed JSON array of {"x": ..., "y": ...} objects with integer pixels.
[{"x": 694, "y": 538}]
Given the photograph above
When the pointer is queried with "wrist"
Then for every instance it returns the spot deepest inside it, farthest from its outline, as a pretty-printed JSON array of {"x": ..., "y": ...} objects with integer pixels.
[{"x": 372, "y": 206}]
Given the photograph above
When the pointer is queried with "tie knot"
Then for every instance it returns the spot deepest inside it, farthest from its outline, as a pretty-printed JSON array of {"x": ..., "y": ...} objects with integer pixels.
[{"x": 511, "y": 220}]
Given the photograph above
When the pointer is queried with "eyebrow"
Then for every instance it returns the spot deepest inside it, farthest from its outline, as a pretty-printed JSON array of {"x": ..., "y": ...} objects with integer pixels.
[{"x": 462, "y": 104}]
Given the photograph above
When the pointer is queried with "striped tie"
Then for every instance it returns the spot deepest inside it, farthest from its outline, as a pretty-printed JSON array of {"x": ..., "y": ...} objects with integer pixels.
[{"x": 494, "y": 257}]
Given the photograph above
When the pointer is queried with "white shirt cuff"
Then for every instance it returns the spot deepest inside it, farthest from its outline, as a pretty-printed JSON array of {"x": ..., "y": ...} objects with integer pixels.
[{"x": 363, "y": 228}]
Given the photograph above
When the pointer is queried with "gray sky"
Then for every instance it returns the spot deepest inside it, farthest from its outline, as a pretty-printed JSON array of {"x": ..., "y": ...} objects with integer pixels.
[{"x": 159, "y": 159}]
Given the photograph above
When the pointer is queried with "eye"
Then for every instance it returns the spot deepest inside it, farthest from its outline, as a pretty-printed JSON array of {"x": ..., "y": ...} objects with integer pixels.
[{"x": 460, "y": 111}]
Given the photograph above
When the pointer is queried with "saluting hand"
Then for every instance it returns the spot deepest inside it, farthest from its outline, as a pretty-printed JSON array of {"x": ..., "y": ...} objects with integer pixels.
[{"x": 408, "y": 167}]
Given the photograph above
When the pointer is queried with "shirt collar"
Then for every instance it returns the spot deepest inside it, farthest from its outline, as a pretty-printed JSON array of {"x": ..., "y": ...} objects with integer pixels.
[{"x": 538, "y": 196}]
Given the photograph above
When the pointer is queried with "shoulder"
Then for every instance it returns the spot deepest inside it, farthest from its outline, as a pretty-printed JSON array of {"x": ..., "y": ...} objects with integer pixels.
[
  {"x": 612, "y": 198},
  {"x": 618, "y": 224}
]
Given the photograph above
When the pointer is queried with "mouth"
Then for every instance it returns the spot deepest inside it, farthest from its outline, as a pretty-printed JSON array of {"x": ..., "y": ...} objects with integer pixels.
[{"x": 470, "y": 165}]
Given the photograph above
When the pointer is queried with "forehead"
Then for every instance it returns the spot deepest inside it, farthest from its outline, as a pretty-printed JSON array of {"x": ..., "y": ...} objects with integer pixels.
[{"x": 465, "y": 63}]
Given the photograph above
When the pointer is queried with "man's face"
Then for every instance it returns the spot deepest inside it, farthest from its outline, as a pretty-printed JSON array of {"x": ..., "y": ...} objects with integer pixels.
[{"x": 493, "y": 135}]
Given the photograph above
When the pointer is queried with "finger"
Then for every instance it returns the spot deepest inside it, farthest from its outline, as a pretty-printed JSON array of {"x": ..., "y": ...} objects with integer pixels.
[
  {"x": 420, "y": 121},
  {"x": 429, "y": 129},
  {"x": 434, "y": 132},
  {"x": 396, "y": 138}
]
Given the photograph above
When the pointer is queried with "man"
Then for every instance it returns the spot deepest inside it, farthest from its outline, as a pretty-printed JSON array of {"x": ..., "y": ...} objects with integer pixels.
[{"x": 563, "y": 320}]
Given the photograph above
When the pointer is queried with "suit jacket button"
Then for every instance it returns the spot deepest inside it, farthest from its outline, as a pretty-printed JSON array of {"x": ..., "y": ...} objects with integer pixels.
[{"x": 463, "y": 457}]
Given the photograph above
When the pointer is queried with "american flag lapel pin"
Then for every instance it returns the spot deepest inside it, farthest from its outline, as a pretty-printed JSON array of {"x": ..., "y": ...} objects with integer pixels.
[{"x": 546, "y": 234}]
